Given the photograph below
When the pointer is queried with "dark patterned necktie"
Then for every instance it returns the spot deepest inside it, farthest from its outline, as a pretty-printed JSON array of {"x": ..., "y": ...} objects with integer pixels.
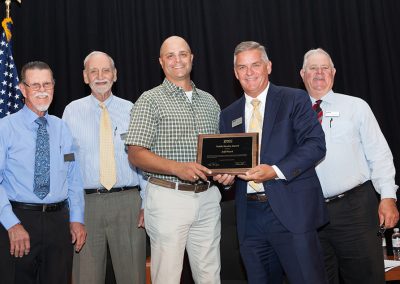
[
  {"x": 41, "y": 183},
  {"x": 317, "y": 108}
]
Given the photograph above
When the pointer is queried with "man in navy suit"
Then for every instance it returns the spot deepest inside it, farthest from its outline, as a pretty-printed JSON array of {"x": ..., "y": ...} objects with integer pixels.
[{"x": 279, "y": 202}]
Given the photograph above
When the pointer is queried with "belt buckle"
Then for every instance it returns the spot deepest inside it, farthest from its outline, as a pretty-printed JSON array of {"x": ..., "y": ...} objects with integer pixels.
[
  {"x": 198, "y": 185},
  {"x": 44, "y": 207},
  {"x": 261, "y": 197},
  {"x": 339, "y": 196}
]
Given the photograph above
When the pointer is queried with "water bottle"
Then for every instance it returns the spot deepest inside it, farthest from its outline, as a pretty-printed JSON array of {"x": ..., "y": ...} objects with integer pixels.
[{"x": 396, "y": 244}]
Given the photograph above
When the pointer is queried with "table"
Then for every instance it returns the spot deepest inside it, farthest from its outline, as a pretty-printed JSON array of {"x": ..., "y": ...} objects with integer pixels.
[{"x": 394, "y": 273}]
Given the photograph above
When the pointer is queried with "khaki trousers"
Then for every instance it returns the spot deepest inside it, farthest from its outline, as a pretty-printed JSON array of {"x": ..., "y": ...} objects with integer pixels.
[{"x": 176, "y": 219}]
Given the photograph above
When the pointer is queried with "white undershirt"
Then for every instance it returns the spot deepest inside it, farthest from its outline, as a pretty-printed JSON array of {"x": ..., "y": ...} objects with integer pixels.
[{"x": 189, "y": 95}]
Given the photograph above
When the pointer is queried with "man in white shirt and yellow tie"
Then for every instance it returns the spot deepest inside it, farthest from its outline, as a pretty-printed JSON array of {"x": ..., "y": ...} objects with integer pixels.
[{"x": 113, "y": 215}]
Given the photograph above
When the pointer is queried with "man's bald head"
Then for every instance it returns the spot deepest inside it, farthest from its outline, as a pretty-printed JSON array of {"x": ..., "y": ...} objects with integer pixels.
[
  {"x": 176, "y": 61},
  {"x": 173, "y": 41}
]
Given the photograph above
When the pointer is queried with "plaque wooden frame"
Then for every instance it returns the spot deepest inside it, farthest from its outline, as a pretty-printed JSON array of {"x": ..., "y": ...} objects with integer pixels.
[{"x": 226, "y": 157}]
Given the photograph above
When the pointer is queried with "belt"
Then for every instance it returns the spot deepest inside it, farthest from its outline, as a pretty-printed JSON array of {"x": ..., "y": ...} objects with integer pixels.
[
  {"x": 50, "y": 207},
  {"x": 340, "y": 196},
  {"x": 262, "y": 197},
  {"x": 181, "y": 186},
  {"x": 114, "y": 189}
]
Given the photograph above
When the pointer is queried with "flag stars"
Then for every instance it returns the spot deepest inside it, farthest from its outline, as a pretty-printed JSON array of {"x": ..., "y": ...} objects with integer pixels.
[{"x": 10, "y": 95}]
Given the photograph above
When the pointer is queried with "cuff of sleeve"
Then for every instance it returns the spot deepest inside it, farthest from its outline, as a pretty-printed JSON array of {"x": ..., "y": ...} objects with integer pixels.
[
  {"x": 278, "y": 172},
  {"x": 76, "y": 215},
  {"x": 388, "y": 193},
  {"x": 8, "y": 219}
]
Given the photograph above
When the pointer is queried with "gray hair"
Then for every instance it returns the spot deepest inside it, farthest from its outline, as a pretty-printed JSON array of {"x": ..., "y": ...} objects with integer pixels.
[
  {"x": 38, "y": 65},
  {"x": 316, "y": 51},
  {"x": 95, "y": 53},
  {"x": 250, "y": 45}
]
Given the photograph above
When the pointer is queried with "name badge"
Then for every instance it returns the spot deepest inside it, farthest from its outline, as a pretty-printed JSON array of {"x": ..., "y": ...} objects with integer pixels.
[
  {"x": 123, "y": 136},
  {"x": 332, "y": 114},
  {"x": 69, "y": 157},
  {"x": 237, "y": 121}
]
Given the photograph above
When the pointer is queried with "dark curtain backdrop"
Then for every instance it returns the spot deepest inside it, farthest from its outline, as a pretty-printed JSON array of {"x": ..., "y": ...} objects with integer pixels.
[{"x": 362, "y": 37}]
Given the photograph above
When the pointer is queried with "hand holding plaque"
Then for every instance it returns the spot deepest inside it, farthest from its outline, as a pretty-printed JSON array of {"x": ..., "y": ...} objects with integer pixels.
[{"x": 231, "y": 153}]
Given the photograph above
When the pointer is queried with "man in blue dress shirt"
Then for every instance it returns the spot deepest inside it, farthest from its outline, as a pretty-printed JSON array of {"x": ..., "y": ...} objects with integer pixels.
[
  {"x": 41, "y": 195},
  {"x": 113, "y": 214},
  {"x": 358, "y": 162}
]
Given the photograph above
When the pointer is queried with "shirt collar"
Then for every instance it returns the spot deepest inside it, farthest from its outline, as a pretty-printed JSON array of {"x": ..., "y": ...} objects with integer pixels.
[
  {"x": 262, "y": 97},
  {"x": 328, "y": 98},
  {"x": 30, "y": 116},
  {"x": 107, "y": 102},
  {"x": 174, "y": 89}
]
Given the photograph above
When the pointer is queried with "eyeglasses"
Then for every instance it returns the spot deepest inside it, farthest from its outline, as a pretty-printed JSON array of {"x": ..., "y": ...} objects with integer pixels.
[
  {"x": 37, "y": 86},
  {"x": 381, "y": 232}
]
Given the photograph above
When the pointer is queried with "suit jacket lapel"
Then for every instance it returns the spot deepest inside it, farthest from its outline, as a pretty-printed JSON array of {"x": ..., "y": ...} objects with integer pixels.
[{"x": 271, "y": 109}]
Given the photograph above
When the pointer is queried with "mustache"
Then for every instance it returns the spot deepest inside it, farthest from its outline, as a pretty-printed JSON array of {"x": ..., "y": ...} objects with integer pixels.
[
  {"x": 41, "y": 95},
  {"x": 102, "y": 81}
]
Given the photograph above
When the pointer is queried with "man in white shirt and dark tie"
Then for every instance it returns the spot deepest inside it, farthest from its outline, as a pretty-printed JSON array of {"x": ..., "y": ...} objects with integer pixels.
[{"x": 358, "y": 162}]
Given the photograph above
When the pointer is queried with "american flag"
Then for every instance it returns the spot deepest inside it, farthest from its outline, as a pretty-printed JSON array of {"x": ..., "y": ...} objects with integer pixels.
[{"x": 10, "y": 95}]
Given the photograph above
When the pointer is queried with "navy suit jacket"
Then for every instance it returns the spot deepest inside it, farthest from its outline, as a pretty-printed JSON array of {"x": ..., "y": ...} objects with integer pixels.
[{"x": 293, "y": 140}]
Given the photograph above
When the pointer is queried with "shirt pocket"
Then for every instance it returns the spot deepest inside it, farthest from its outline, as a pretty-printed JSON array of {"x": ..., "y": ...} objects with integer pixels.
[
  {"x": 342, "y": 131},
  {"x": 63, "y": 164}
]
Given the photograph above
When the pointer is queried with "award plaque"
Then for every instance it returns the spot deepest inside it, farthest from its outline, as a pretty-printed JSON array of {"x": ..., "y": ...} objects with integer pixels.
[{"x": 231, "y": 153}]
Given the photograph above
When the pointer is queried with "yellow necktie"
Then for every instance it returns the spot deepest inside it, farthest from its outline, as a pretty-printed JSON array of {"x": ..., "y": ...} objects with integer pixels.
[
  {"x": 255, "y": 125},
  {"x": 108, "y": 175}
]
